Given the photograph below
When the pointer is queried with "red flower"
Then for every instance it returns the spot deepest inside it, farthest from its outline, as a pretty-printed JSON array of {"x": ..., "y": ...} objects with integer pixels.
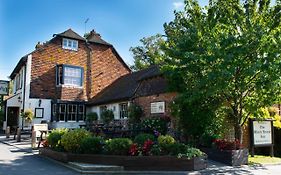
[
  {"x": 147, "y": 147},
  {"x": 133, "y": 151},
  {"x": 223, "y": 144}
]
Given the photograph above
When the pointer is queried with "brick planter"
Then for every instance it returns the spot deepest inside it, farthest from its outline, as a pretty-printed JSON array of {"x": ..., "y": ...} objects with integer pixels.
[
  {"x": 229, "y": 157},
  {"x": 157, "y": 163}
]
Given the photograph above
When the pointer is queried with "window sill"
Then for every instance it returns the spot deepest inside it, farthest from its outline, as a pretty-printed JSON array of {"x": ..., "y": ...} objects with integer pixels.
[{"x": 70, "y": 86}]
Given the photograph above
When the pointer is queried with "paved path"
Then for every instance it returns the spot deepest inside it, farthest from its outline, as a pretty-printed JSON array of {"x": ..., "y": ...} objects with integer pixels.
[
  {"x": 17, "y": 158},
  {"x": 21, "y": 160}
]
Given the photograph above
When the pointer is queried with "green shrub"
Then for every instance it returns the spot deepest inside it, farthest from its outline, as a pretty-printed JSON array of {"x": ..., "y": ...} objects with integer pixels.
[
  {"x": 141, "y": 138},
  {"x": 207, "y": 139},
  {"x": 134, "y": 113},
  {"x": 165, "y": 142},
  {"x": 155, "y": 124},
  {"x": 155, "y": 150},
  {"x": 176, "y": 148},
  {"x": 118, "y": 146},
  {"x": 107, "y": 116},
  {"x": 91, "y": 117},
  {"x": 71, "y": 140},
  {"x": 54, "y": 139},
  {"x": 191, "y": 153},
  {"x": 92, "y": 145}
]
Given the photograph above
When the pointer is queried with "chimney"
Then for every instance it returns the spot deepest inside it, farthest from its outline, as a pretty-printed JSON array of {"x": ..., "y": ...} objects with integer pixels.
[
  {"x": 38, "y": 45},
  {"x": 93, "y": 34}
]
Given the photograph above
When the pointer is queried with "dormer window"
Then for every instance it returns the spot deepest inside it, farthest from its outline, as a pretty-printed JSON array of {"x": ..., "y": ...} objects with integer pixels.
[{"x": 69, "y": 44}]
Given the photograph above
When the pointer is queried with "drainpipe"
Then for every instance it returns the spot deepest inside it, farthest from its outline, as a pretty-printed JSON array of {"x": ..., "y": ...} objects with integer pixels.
[
  {"x": 23, "y": 100},
  {"x": 89, "y": 70}
]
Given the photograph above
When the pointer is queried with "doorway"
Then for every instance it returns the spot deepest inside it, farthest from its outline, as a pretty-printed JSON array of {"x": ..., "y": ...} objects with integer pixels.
[{"x": 13, "y": 117}]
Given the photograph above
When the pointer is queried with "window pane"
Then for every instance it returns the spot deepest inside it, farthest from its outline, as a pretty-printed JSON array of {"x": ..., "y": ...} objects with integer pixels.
[
  {"x": 75, "y": 44},
  {"x": 72, "y": 76},
  {"x": 64, "y": 42},
  {"x": 69, "y": 43}
]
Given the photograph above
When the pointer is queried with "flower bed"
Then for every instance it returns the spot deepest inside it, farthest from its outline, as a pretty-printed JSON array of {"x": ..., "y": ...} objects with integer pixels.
[
  {"x": 160, "y": 163},
  {"x": 228, "y": 152},
  {"x": 144, "y": 152}
]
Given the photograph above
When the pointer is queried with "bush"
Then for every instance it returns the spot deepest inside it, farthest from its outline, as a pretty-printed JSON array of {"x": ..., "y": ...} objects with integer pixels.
[
  {"x": 107, "y": 116},
  {"x": 92, "y": 145},
  {"x": 155, "y": 124},
  {"x": 118, "y": 146},
  {"x": 191, "y": 153},
  {"x": 54, "y": 139},
  {"x": 71, "y": 140},
  {"x": 177, "y": 148},
  {"x": 134, "y": 113},
  {"x": 207, "y": 139},
  {"x": 141, "y": 138},
  {"x": 165, "y": 142},
  {"x": 155, "y": 150},
  {"x": 91, "y": 117}
]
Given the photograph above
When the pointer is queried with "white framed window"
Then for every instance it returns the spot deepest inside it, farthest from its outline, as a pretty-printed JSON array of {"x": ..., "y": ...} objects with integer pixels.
[
  {"x": 81, "y": 112},
  {"x": 123, "y": 110},
  {"x": 69, "y": 44},
  {"x": 72, "y": 112},
  {"x": 62, "y": 112},
  {"x": 69, "y": 75}
]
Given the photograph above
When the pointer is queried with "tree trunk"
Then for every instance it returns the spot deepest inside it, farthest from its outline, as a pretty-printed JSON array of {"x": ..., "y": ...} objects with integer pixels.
[{"x": 238, "y": 132}]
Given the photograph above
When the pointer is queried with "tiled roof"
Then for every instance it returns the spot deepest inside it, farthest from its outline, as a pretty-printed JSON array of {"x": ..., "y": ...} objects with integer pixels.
[
  {"x": 129, "y": 85},
  {"x": 70, "y": 34},
  {"x": 96, "y": 38},
  {"x": 18, "y": 66}
]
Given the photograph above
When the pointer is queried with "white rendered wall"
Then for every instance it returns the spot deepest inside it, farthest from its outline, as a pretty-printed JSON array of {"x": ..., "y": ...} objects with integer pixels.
[
  {"x": 33, "y": 103},
  {"x": 112, "y": 106}
]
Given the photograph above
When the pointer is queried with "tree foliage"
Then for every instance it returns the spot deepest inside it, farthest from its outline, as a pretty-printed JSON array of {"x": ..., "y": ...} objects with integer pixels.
[
  {"x": 228, "y": 51},
  {"x": 149, "y": 53}
]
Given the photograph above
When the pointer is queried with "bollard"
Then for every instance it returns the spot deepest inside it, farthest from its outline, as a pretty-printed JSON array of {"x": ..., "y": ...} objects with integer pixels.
[
  {"x": 8, "y": 132},
  {"x": 18, "y": 134},
  {"x": 33, "y": 139}
]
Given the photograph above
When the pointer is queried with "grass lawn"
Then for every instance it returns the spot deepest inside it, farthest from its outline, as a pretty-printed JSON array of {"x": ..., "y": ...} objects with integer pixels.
[{"x": 263, "y": 160}]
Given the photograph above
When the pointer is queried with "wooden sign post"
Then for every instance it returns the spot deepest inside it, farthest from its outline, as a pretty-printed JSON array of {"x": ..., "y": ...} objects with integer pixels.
[{"x": 261, "y": 135}]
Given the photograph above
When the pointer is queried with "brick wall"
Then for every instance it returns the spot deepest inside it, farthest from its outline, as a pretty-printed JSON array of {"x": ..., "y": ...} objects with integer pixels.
[
  {"x": 101, "y": 68},
  {"x": 144, "y": 103},
  {"x": 106, "y": 67}
]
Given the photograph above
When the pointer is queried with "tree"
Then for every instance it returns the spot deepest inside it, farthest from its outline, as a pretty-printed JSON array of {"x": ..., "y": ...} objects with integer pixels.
[
  {"x": 230, "y": 51},
  {"x": 149, "y": 53}
]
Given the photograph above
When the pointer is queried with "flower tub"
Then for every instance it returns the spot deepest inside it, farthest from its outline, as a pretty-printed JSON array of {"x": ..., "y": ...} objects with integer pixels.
[{"x": 228, "y": 152}]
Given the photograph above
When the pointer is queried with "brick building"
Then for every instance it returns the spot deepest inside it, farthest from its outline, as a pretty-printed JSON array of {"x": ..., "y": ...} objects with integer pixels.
[
  {"x": 57, "y": 79},
  {"x": 147, "y": 88}
]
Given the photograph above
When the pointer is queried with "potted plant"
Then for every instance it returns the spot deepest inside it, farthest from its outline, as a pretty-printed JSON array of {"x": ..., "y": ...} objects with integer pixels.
[{"x": 27, "y": 116}]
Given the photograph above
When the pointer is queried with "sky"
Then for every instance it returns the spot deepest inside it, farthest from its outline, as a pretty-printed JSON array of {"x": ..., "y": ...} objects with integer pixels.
[{"x": 23, "y": 23}]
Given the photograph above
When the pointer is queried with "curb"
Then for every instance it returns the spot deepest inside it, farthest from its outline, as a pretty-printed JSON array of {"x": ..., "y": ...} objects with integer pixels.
[{"x": 123, "y": 172}]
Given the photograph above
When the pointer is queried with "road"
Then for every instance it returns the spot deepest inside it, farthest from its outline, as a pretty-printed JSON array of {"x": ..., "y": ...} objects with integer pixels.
[{"x": 14, "y": 161}]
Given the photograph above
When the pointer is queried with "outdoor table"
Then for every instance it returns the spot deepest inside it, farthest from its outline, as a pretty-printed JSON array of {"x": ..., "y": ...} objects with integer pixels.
[{"x": 41, "y": 136}]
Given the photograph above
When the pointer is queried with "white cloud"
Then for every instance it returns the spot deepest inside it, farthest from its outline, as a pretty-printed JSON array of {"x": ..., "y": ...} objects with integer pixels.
[{"x": 178, "y": 5}]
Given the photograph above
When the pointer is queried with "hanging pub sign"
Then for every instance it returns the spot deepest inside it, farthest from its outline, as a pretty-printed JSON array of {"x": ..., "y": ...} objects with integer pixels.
[
  {"x": 262, "y": 134},
  {"x": 4, "y": 87}
]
